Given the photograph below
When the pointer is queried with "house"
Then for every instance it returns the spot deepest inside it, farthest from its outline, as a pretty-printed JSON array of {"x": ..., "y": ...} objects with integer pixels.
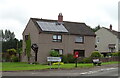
[
  {"x": 62, "y": 36},
  {"x": 107, "y": 40}
]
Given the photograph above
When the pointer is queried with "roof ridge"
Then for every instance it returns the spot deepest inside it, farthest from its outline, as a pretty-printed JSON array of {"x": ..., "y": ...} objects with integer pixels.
[
  {"x": 56, "y": 20},
  {"x": 110, "y": 30}
]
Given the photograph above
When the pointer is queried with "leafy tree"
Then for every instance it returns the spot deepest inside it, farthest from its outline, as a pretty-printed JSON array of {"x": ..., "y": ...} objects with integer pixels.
[
  {"x": 96, "y": 28},
  {"x": 28, "y": 48},
  {"x": 10, "y": 42},
  {"x": 8, "y": 35}
]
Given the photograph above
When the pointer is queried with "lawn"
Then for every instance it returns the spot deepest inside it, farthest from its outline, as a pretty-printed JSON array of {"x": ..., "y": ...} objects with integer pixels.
[{"x": 16, "y": 66}]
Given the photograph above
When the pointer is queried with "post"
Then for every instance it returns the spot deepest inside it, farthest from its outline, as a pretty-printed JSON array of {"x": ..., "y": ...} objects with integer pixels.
[
  {"x": 36, "y": 56},
  {"x": 76, "y": 63}
]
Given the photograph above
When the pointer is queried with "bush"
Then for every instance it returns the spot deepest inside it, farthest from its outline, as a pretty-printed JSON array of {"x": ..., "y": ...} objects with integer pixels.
[
  {"x": 115, "y": 54},
  {"x": 86, "y": 60},
  {"x": 68, "y": 58},
  {"x": 64, "y": 59},
  {"x": 14, "y": 58},
  {"x": 95, "y": 54},
  {"x": 35, "y": 63},
  {"x": 54, "y": 53}
]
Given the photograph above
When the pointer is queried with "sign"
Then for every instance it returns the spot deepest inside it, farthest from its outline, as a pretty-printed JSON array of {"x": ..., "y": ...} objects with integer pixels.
[
  {"x": 51, "y": 59},
  {"x": 76, "y": 54}
]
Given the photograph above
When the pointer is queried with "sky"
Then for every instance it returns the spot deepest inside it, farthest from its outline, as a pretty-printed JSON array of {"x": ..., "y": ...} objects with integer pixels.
[{"x": 15, "y": 14}]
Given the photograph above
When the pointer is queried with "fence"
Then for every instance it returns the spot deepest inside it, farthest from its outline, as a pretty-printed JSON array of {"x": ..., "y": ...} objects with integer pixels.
[
  {"x": 108, "y": 59},
  {"x": 103, "y": 59}
]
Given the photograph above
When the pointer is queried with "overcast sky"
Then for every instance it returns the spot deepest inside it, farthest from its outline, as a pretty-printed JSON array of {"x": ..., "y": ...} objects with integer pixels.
[{"x": 15, "y": 14}]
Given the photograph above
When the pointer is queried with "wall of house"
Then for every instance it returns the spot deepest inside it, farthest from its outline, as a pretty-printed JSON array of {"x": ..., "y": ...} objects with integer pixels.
[
  {"x": 68, "y": 45},
  {"x": 105, "y": 38},
  {"x": 34, "y": 33},
  {"x": 45, "y": 44}
]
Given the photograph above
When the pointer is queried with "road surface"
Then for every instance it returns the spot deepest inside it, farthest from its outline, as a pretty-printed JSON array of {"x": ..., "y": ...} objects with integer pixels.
[{"x": 96, "y": 71}]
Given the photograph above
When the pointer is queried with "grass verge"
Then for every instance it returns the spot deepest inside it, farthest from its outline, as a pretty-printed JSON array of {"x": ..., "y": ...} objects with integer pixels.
[{"x": 18, "y": 66}]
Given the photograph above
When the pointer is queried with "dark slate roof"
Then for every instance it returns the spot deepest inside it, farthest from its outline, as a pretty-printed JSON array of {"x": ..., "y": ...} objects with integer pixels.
[
  {"x": 75, "y": 28},
  {"x": 114, "y": 32}
]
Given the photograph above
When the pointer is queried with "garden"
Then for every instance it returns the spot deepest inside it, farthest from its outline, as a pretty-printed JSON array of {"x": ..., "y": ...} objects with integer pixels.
[{"x": 68, "y": 62}]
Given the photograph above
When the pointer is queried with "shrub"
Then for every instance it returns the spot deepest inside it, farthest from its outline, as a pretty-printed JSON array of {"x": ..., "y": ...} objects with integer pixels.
[
  {"x": 35, "y": 63},
  {"x": 64, "y": 59},
  {"x": 95, "y": 54},
  {"x": 115, "y": 54},
  {"x": 68, "y": 58},
  {"x": 54, "y": 53},
  {"x": 14, "y": 58},
  {"x": 119, "y": 54},
  {"x": 86, "y": 60}
]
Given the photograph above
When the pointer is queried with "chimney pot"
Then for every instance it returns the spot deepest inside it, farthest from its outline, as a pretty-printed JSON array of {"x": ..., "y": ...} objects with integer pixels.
[
  {"x": 110, "y": 27},
  {"x": 60, "y": 17}
]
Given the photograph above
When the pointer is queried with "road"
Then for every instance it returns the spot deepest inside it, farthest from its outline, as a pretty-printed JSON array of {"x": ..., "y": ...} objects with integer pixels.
[
  {"x": 100, "y": 72},
  {"x": 96, "y": 71}
]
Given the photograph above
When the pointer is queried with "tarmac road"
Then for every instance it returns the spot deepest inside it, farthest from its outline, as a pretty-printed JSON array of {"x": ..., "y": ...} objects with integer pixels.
[{"x": 106, "y": 70}]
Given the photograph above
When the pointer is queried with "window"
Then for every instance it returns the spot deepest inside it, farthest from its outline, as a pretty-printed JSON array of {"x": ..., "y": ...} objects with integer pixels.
[
  {"x": 98, "y": 39},
  {"x": 26, "y": 37},
  {"x": 79, "y": 39},
  {"x": 57, "y": 38},
  {"x": 59, "y": 50},
  {"x": 81, "y": 53}
]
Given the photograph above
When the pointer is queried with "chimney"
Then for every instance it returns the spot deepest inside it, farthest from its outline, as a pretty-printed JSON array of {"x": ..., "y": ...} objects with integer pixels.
[
  {"x": 110, "y": 27},
  {"x": 60, "y": 17}
]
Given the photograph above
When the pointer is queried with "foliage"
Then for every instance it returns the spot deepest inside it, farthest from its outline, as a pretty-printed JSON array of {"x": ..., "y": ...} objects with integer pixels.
[
  {"x": 95, "y": 29},
  {"x": 64, "y": 59},
  {"x": 96, "y": 54},
  {"x": 9, "y": 41},
  {"x": 28, "y": 48},
  {"x": 68, "y": 58},
  {"x": 54, "y": 53},
  {"x": 11, "y": 52},
  {"x": 57, "y": 63},
  {"x": 114, "y": 54},
  {"x": 35, "y": 63},
  {"x": 8, "y": 35},
  {"x": 10, "y": 55},
  {"x": 86, "y": 60},
  {"x": 14, "y": 58}
]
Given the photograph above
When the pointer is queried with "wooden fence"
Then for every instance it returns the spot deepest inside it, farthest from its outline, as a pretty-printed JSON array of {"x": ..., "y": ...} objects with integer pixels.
[{"x": 108, "y": 59}]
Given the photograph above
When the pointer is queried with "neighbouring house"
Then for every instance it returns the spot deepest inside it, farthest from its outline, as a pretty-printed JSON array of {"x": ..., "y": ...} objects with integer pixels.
[
  {"x": 107, "y": 40},
  {"x": 62, "y": 36}
]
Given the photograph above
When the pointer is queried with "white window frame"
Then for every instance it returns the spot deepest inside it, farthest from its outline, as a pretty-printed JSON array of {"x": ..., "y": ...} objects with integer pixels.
[{"x": 79, "y": 39}]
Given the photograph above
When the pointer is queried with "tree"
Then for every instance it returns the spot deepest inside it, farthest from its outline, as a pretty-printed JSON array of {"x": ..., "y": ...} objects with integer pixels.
[
  {"x": 28, "y": 48},
  {"x": 95, "y": 29},
  {"x": 8, "y": 35},
  {"x": 10, "y": 42}
]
